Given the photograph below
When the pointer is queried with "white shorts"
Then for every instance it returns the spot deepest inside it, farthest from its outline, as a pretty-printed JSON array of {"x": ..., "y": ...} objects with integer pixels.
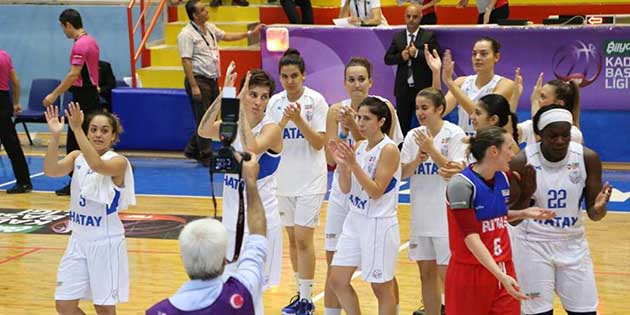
[
  {"x": 371, "y": 244},
  {"x": 273, "y": 265},
  {"x": 94, "y": 270},
  {"x": 565, "y": 266},
  {"x": 336, "y": 214},
  {"x": 429, "y": 248},
  {"x": 300, "y": 210}
]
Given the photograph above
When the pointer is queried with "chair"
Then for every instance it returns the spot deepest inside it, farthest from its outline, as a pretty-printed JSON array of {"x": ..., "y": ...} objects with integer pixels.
[{"x": 34, "y": 111}]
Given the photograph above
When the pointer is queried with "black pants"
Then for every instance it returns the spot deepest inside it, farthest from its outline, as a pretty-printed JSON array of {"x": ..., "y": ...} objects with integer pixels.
[
  {"x": 198, "y": 147},
  {"x": 429, "y": 19},
  {"x": 405, "y": 107},
  {"x": 500, "y": 13},
  {"x": 11, "y": 142},
  {"x": 290, "y": 10},
  {"x": 87, "y": 97}
]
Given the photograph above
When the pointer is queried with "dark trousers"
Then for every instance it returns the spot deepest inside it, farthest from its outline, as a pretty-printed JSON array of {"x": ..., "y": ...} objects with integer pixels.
[
  {"x": 429, "y": 19},
  {"x": 290, "y": 10},
  {"x": 198, "y": 147},
  {"x": 500, "y": 13},
  {"x": 11, "y": 142},
  {"x": 406, "y": 107},
  {"x": 87, "y": 97}
]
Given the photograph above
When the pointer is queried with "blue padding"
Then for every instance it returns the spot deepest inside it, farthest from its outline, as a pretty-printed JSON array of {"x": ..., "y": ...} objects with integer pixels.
[{"x": 153, "y": 119}]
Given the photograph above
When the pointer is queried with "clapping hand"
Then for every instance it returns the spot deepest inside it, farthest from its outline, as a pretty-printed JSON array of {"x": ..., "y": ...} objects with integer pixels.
[
  {"x": 424, "y": 140},
  {"x": 451, "y": 169},
  {"x": 342, "y": 152},
  {"x": 448, "y": 67},
  {"x": 526, "y": 181},
  {"x": 292, "y": 112},
  {"x": 413, "y": 51},
  {"x": 537, "y": 213},
  {"x": 432, "y": 58},
  {"x": 55, "y": 123},
  {"x": 603, "y": 197}
]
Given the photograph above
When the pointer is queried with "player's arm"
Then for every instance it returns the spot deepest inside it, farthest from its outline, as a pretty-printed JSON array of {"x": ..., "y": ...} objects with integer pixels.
[
  {"x": 313, "y": 135},
  {"x": 518, "y": 198},
  {"x": 332, "y": 130},
  {"x": 451, "y": 99},
  {"x": 388, "y": 163},
  {"x": 597, "y": 195},
  {"x": 209, "y": 126},
  {"x": 505, "y": 87}
]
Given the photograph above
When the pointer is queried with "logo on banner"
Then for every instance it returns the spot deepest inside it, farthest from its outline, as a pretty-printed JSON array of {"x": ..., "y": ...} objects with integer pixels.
[
  {"x": 577, "y": 61},
  {"x": 617, "y": 70}
]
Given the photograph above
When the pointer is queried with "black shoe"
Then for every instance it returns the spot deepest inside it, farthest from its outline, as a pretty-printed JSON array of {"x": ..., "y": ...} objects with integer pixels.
[
  {"x": 65, "y": 191},
  {"x": 216, "y": 3},
  {"x": 419, "y": 311},
  {"x": 20, "y": 189},
  {"x": 242, "y": 3},
  {"x": 192, "y": 156},
  {"x": 443, "y": 310}
]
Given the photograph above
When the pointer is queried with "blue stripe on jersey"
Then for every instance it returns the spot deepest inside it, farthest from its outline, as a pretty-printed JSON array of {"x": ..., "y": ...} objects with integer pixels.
[
  {"x": 268, "y": 165},
  {"x": 392, "y": 185},
  {"x": 114, "y": 205}
]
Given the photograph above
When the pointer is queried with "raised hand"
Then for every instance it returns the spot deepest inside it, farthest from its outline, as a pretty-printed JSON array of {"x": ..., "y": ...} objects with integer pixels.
[
  {"x": 405, "y": 54},
  {"x": 75, "y": 116},
  {"x": 433, "y": 59},
  {"x": 448, "y": 67},
  {"x": 245, "y": 88},
  {"x": 230, "y": 75},
  {"x": 603, "y": 197},
  {"x": 424, "y": 140},
  {"x": 55, "y": 123},
  {"x": 345, "y": 117},
  {"x": 451, "y": 169},
  {"x": 526, "y": 181},
  {"x": 413, "y": 51},
  {"x": 537, "y": 91}
]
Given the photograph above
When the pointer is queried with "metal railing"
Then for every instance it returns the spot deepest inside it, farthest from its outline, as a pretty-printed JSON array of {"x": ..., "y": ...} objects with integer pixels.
[{"x": 141, "y": 23}]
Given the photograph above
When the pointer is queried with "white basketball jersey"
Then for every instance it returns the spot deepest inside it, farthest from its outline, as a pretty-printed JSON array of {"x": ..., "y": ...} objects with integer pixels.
[
  {"x": 358, "y": 200},
  {"x": 93, "y": 220},
  {"x": 427, "y": 188},
  {"x": 528, "y": 136},
  {"x": 335, "y": 191},
  {"x": 267, "y": 186},
  {"x": 303, "y": 170},
  {"x": 560, "y": 187},
  {"x": 474, "y": 93}
]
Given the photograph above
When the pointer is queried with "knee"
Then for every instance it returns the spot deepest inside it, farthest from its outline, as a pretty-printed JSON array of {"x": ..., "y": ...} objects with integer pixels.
[
  {"x": 336, "y": 283},
  {"x": 382, "y": 290},
  {"x": 428, "y": 274},
  {"x": 65, "y": 308},
  {"x": 105, "y": 309}
]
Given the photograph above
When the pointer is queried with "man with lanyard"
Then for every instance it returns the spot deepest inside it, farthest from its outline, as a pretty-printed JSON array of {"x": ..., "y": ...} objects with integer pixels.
[
  {"x": 199, "y": 50},
  {"x": 82, "y": 80}
]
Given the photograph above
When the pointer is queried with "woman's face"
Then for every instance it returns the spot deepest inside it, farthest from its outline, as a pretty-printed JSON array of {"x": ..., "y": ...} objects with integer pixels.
[
  {"x": 555, "y": 139},
  {"x": 357, "y": 82},
  {"x": 368, "y": 123},
  {"x": 480, "y": 117},
  {"x": 505, "y": 153},
  {"x": 256, "y": 101},
  {"x": 291, "y": 78},
  {"x": 101, "y": 134},
  {"x": 548, "y": 96},
  {"x": 483, "y": 57},
  {"x": 426, "y": 112}
]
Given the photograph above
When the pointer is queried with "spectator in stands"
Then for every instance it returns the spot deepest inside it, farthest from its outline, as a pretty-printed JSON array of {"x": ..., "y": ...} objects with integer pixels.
[
  {"x": 290, "y": 10},
  {"x": 363, "y": 12},
  {"x": 107, "y": 82},
  {"x": 199, "y": 50},
  {"x": 242, "y": 3},
  {"x": 8, "y": 136},
  {"x": 203, "y": 244},
  {"x": 82, "y": 80},
  {"x": 412, "y": 73},
  {"x": 429, "y": 16},
  {"x": 490, "y": 11}
]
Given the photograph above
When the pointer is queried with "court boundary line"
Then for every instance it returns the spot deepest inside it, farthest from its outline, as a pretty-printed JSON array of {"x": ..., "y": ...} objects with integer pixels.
[
  {"x": 22, "y": 254},
  {"x": 15, "y": 181}
]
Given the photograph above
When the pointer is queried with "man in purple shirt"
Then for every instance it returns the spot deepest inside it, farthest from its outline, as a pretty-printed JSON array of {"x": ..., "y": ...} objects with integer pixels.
[
  {"x": 82, "y": 80},
  {"x": 202, "y": 245},
  {"x": 8, "y": 136}
]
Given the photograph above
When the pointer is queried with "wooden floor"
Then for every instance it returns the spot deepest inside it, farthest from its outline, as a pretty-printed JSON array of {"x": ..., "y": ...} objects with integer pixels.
[{"x": 28, "y": 263}]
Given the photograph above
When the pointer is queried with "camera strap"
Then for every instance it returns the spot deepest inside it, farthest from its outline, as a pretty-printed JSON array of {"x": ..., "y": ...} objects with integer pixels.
[{"x": 240, "y": 220}]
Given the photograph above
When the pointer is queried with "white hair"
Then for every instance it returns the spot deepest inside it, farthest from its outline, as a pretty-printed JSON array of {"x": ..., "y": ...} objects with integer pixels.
[{"x": 202, "y": 246}]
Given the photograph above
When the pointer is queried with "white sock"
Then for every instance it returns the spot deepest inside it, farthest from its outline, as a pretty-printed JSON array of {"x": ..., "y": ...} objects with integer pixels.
[
  {"x": 332, "y": 311},
  {"x": 443, "y": 303},
  {"x": 296, "y": 276},
  {"x": 397, "y": 309},
  {"x": 306, "y": 288}
]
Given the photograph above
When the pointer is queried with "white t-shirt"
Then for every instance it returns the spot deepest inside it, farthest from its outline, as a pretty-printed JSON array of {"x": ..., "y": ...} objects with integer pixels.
[
  {"x": 93, "y": 220},
  {"x": 559, "y": 187},
  {"x": 266, "y": 183},
  {"x": 528, "y": 136},
  {"x": 358, "y": 200},
  {"x": 362, "y": 9},
  {"x": 302, "y": 170},
  {"x": 474, "y": 93},
  {"x": 427, "y": 188}
]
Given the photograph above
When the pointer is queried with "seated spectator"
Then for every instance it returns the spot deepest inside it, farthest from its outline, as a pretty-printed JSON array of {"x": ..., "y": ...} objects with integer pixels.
[
  {"x": 363, "y": 12},
  {"x": 202, "y": 245},
  {"x": 290, "y": 10}
]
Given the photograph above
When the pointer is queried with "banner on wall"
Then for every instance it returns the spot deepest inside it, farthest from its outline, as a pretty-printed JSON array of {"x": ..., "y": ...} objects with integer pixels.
[{"x": 596, "y": 56}]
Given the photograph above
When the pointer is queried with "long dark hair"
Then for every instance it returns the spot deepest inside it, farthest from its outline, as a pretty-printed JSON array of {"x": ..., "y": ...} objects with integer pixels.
[
  {"x": 483, "y": 139},
  {"x": 496, "y": 104},
  {"x": 569, "y": 93},
  {"x": 380, "y": 109},
  {"x": 291, "y": 57}
]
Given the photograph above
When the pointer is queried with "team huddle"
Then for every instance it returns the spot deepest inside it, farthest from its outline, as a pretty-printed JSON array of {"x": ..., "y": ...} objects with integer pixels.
[{"x": 496, "y": 228}]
